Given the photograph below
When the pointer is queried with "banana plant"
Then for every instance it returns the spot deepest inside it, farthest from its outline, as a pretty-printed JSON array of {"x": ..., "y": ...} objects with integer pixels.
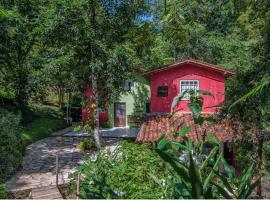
[
  {"x": 194, "y": 183},
  {"x": 231, "y": 187},
  {"x": 203, "y": 179}
]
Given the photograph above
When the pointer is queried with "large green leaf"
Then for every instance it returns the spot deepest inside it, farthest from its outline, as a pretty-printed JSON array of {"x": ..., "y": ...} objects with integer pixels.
[
  {"x": 225, "y": 182},
  {"x": 255, "y": 91},
  {"x": 228, "y": 170},
  {"x": 211, "y": 174},
  {"x": 178, "y": 146},
  {"x": 195, "y": 108},
  {"x": 212, "y": 139},
  {"x": 184, "y": 130},
  {"x": 209, "y": 157},
  {"x": 162, "y": 142},
  {"x": 179, "y": 168},
  {"x": 222, "y": 191},
  {"x": 203, "y": 92},
  {"x": 209, "y": 194},
  {"x": 195, "y": 179},
  {"x": 3, "y": 12},
  {"x": 246, "y": 178},
  {"x": 247, "y": 192}
]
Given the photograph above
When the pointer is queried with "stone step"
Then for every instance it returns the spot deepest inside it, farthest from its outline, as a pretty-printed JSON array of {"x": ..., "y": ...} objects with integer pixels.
[
  {"x": 48, "y": 192},
  {"x": 45, "y": 188}
]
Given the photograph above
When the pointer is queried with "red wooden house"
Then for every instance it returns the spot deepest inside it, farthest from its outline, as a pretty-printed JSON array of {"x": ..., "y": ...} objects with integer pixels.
[{"x": 175, "y": 78}]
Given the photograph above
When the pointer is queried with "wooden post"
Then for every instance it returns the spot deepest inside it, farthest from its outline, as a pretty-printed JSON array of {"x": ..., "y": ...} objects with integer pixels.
[
  {"x": 78, "y": 185},
  {"x": 57, "y": 167},
  {"x": 259, "y": 161}
]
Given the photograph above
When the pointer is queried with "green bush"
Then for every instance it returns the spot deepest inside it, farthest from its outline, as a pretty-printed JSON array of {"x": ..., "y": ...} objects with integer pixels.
[
  {"x": 3, "y": 194},
  {"x": 245, "y": 154},
  {"x": 11, "y": 145},
  {"x": 266, "y": 151},
  {"x": 106, "y": 125},
  {"x": 131, "y": 171},
  {"x": 88, "y": 144}
]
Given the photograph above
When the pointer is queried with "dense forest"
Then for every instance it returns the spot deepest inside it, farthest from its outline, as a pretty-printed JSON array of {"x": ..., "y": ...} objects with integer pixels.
[{"x": 52, "y": 47}]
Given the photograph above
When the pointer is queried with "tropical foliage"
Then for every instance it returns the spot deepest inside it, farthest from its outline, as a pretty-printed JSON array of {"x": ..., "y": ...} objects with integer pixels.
[
  {"x": 130, "y": 171},
  {"x": 199, "y": 170},
  {"x": 11, "y": 144},
  {"x": 232, "y": 187},
  {"x": 52, "y": 48},
  {"x": 88, "y": 144}
]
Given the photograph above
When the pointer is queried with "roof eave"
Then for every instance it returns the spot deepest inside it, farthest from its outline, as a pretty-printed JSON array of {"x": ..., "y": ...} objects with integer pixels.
[{"x": 226, "y": 72}]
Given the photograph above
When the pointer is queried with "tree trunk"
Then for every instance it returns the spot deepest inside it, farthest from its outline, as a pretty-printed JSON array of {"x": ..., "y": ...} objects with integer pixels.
[
  {"x": 61, "y": 95},
  {"x": 94, "y": 81},
  {"x": 96, "y": 111},
  {"x": 21, "y": 97}
]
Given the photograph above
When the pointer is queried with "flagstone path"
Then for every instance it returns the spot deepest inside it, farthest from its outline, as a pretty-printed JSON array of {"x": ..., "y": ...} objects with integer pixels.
[{"x": 39, "y": 168}]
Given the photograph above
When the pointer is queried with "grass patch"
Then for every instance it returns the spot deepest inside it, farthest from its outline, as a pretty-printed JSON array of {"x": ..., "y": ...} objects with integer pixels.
[
  {"x": 3, "y": 193},
  {"x": 46, "y": 120}
]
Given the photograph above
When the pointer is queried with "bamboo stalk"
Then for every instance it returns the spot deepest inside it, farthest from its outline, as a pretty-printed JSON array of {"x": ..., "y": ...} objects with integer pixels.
[{"x": 78, "y": 185}]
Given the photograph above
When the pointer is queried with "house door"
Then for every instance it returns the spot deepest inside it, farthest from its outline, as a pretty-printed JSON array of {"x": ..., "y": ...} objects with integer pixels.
[{"x": 120, "y": 114}]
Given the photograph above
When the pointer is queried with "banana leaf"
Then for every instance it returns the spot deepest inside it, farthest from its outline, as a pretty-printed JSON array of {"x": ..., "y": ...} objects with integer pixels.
[
  {"x": 179, "y": 168},
  {"x": 195, "y": 179},
  {"x": 222, "y": 191},
  {"x": 209, "y": 157},
  {"x": 211, "y": 174}
]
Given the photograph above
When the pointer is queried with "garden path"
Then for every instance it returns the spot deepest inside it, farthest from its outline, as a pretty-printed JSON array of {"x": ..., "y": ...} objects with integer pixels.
[
  {"x": 115, "y": 132},
  {"x": 39, "y": 168}
]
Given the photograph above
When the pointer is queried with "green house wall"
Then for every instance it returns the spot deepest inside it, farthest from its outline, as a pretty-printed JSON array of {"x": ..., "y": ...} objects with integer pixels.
[{"x": 135, "y": 100}]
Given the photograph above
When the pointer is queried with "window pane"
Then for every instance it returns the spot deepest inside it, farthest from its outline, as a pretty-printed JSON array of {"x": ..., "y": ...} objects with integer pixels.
[
  {"x": 162, "y": 91},
  {"x": 188, "y": 86}
]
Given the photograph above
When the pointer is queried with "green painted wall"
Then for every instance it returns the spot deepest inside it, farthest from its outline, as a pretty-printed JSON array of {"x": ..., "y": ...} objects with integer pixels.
[{"x": 135, "y": 100}]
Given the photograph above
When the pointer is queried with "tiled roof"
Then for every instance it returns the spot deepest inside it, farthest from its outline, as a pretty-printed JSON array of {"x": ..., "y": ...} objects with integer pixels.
[
  {"x": 194, "y": 62},
  {"x": 157, "y": 124}
]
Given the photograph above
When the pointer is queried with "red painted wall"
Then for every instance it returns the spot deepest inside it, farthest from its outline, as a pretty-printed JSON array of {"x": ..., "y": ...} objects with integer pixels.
[
  {"x": 103, "y": 116},
  {"x": 209, "y": 80}
]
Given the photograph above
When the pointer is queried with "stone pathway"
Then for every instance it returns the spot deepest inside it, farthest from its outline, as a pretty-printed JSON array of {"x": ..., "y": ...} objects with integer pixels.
[
  {"x": 39, "y": 166},
  {"x": 115, "y": 132},
  {"x": 266, "y": 186}
]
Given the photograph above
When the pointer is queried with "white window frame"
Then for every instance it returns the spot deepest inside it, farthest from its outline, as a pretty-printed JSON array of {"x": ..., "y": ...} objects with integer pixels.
[
  {"x": 128, "y": 86},
  {"x": 186, "y": 97}
]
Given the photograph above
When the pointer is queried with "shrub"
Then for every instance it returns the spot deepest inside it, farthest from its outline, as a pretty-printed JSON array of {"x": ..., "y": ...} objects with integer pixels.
[
  {"x": 88, "y": 144},
  {"x": 11, "y": 145},
  {"x": 267, "y": 157},
  {"x": 3, "y": 193},
  {"x": 84, "y": 128},
  {"x": 131, "y": 171},
  {"x": 246, "y": 153}
]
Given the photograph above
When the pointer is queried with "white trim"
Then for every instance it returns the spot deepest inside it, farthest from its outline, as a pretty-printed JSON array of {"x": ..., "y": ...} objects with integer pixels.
[{"x": 198, "y": 81}]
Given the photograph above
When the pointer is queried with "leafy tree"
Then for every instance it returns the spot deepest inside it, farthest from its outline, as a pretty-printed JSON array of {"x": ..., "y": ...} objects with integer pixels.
[{"x": 19, "y": 32}]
